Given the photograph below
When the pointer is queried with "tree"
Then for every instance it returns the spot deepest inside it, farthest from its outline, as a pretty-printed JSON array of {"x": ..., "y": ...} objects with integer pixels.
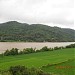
[
  {"x": 45, "y": 49},
  {"x": 7, "y": 52},
  {"x": 14, "y": 51}
]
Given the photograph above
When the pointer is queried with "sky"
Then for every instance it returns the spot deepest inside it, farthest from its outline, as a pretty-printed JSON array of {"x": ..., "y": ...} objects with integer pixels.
[{"x": 49, "y": 12}]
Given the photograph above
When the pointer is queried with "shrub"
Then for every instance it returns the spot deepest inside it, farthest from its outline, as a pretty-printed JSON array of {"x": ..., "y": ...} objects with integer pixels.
[
  {"x": 22, "y": 70},
  {"x": 38, "y": 50},
  {"x": 71, "y": 46},
  {"x": 13, "y": 51},
  {"x": 50, "y": 49},
  {"x": 45, "y": 49},
  {"x": 56, "y": 48},
  {"x": 28, "y": 50},
  {"x": 7, "y": 52}
]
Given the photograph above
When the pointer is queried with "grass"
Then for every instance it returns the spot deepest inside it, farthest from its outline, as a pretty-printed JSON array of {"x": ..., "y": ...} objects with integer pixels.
[
  {"x": 65, "y": 68},
  {"x": 40, "y": 59}
]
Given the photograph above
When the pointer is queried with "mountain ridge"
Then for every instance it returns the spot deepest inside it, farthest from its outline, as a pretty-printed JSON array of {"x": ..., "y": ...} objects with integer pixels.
[{"x": 15, "y": 31}]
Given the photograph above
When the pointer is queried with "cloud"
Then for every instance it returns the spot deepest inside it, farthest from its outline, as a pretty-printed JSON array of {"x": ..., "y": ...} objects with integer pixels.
[{"x": 57, "y": 12}]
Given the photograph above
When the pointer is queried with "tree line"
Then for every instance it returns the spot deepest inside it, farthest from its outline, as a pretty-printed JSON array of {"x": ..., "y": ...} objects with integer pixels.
[{"x": 15, "y": 51}]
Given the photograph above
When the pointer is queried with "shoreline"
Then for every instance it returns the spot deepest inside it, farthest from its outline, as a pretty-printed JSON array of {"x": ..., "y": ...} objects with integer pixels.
[{"x": 38, "y": 45}]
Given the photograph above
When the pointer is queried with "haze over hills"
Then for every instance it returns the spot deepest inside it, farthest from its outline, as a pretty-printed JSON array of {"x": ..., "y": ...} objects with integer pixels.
[{"x": 15, "y": 31}]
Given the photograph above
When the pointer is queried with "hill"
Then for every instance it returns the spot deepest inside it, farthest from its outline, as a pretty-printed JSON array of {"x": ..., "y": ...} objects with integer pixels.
[{"x": 15, "y": 31}]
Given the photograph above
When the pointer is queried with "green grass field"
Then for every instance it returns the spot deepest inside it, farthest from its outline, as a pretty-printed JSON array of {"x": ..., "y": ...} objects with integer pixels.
[
  {"x": 66, "y": 68},
  {"x": 41, "y": 59}
]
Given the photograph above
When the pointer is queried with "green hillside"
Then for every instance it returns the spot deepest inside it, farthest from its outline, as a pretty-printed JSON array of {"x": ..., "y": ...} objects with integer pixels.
[{"x": 15, "y": 31}]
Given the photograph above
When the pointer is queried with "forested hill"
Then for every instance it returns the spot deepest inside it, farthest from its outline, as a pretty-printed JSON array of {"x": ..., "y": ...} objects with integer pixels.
[{"x": 15, "y": 31}]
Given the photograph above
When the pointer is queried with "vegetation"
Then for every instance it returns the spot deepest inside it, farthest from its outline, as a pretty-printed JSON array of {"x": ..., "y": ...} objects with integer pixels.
[
  {"x": 14, "y": 31},
  {"x": 22, "y": 70},
  {"x": 45, "y": 61},
  {"x": 71, "y": 46},
  {"x": 15, "y": 51},
  {"x": 63, "y": 68}
]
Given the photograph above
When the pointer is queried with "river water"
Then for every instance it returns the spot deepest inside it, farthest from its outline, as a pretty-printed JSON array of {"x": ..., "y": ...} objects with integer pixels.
[{"x": 38, "y": 45}]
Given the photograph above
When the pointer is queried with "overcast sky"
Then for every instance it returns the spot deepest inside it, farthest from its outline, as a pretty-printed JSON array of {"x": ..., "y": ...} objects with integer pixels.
[{"x": 50, "y": 12}]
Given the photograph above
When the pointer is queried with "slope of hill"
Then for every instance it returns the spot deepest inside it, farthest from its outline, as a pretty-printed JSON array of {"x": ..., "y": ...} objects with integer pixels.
[{"x": 15, "y": 31}]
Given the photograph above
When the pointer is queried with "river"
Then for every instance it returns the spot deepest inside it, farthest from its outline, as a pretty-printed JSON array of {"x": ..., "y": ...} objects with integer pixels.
[{"x": 38, "y": 45}]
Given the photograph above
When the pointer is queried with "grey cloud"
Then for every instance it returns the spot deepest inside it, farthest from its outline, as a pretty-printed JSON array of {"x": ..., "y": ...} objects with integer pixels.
[{"x": 38, "y": 11}]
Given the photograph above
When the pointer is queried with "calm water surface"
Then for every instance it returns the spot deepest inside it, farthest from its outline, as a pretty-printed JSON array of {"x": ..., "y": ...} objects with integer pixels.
[{"x": 21, "y": 45}]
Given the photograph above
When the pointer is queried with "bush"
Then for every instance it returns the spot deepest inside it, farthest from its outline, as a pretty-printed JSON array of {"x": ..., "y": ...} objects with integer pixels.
[
  {"x": 13, "y": 51},
  {"x": 28, "y": 50},
  {"x": 45, "y": 49},
  {"x": 7, "y": 52},
  {"x": 38, "y": 50},
  {"x": 71, "y": 46},
  {"x": 50, "y": 49},
  {"x": 56, "y": 48},
  {"x": 22, "y": 70}
]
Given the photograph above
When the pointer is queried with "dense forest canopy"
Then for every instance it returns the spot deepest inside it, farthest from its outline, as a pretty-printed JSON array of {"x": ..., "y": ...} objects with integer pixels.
[{"x": 15, "y": 31}]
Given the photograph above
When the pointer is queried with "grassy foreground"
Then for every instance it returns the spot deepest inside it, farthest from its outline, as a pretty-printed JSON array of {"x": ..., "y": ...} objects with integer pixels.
[
  {"x": 42, "y": 59},
  {"x": 64, "y": 68}
]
